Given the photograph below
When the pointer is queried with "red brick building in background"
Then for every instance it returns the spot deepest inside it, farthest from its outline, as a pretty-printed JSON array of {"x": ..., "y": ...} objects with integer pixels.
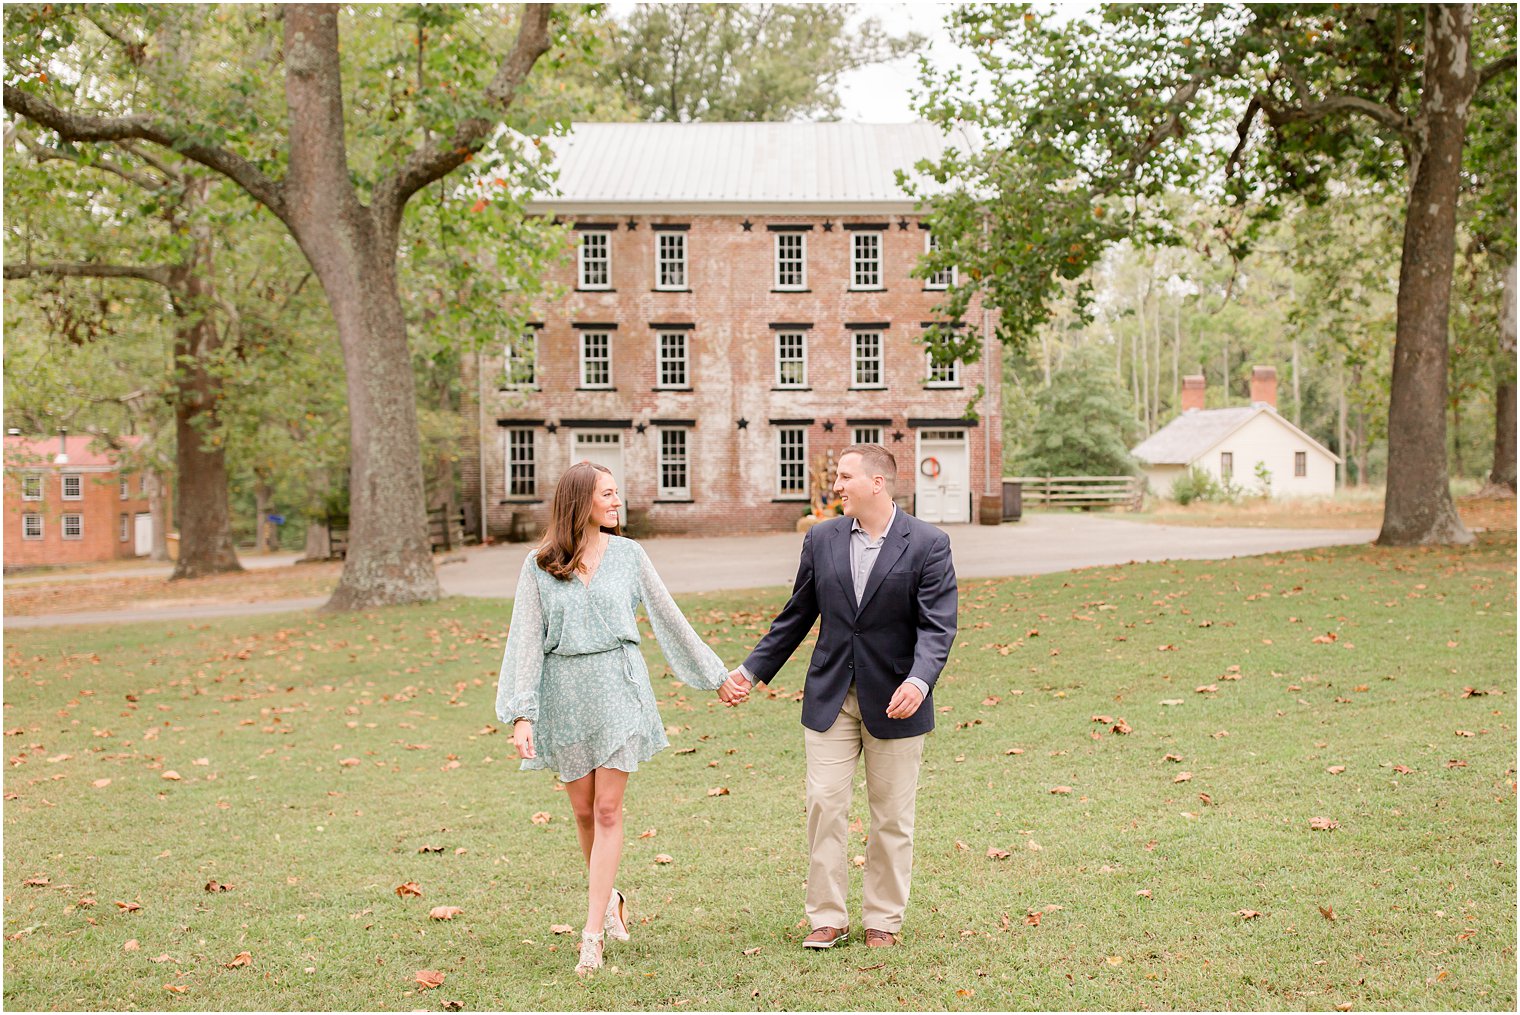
[
  {"x": 67, "y": 503},
  {"x": 738, "y": 303}
]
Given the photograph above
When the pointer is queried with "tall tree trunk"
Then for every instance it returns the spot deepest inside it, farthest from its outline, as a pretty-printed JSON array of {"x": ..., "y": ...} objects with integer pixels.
[
  {"x": 1417, "y": 508},
  {"x": 353, "y": 252},
  {"x": 1341, "y": 446},
  {"x": 1502, "y": 475},
  {"x": 158, "y": 510},
  {"x": 265, "y": 540},
  {"x": 1363, "y": 448},
  {"x": 1298, "y": 403}
]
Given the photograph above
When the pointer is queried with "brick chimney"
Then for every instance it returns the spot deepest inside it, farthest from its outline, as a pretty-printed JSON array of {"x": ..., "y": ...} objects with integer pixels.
[
  {"x": 1192, "y": 392},
  {"x": 1264, "y": 386}
]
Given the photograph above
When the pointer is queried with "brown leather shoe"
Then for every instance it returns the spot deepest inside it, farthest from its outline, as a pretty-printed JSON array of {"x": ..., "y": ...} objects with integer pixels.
[
  {"x": 880, "y": 938},
  {"x": 825, "y": 937}
]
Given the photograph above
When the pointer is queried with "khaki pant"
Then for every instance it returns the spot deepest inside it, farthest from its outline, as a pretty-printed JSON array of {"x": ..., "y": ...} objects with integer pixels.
[{"x": 891, "y": 787}]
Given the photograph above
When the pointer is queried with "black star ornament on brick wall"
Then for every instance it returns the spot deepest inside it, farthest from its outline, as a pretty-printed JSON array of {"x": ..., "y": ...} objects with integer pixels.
[
  {"x": 897, "y": 436},
  {"x": 638, "y": 428},
  {"x": 746, "y": 225},
  {"x": 743, "y": 423},
  {"x": 828, "y": 227},
  {"x": 828, "y": 426},
  {"x": 552, "y": 428},
  {"x": 634, "y": 224},
  {"x": 902, "y": 224}
]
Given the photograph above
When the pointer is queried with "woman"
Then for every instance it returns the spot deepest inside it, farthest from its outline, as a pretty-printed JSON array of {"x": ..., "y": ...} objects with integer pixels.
[{"x": 573, "y": 682}]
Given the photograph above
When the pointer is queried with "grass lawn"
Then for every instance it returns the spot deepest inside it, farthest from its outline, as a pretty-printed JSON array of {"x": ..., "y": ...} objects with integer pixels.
[
  {"x": 70, "y": 594},
  {"x": 1349, "y": 509},
  {"x": 323, "y": 761}
]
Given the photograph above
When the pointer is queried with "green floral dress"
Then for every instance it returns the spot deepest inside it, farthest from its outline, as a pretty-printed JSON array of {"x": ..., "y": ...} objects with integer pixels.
[{"x": 573, "y": 667}]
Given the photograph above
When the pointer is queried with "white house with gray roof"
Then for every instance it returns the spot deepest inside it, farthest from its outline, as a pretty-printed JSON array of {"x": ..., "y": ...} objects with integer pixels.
[{"x": 1229, "y": 443}]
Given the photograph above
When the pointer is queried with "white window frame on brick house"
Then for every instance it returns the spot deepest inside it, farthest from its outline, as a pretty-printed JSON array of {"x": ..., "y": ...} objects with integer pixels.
[
  {"x": 791, "y": 352},
  {"x": 520, "y": 361},
  {"x": 939, "y": 279},
  {"x": 124, "y": 488},
  {"x": 672, "y": 359},
  {"x": 77, "y": 481},
  {"x": 941, "y": 375},
  {"x": 868, "y": 365},
  {"x": 73, "y": 526},
  {"x": 519, "y": 455},
  {"x": 791, "y": 267},
  {"x": 670, "y": 260},
  {"x": 31, "y": 525},
  {"x": 594, "y": 266},
  {"x": 31, "y": 486},
  {"x": 865, "y": 434},
  {"x": 866, "y": 259},
  {"x": 674, "y": 466},
  {"x": 586, "y": 338},
  {"x": 791, "y": 463},
  {"x": 125, "y": 528}
]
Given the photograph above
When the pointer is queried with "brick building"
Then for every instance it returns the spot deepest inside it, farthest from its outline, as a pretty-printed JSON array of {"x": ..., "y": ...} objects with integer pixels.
[
  {"x": 738, "y": 303},
  {"x": 67, "y": 503}
]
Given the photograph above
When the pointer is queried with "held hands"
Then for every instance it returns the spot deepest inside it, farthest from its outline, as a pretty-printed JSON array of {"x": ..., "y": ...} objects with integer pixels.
[
  {"x": 905, "y": 701},
  {"x": 735, "y": 690},
  {"x": 522, "y": 738}
]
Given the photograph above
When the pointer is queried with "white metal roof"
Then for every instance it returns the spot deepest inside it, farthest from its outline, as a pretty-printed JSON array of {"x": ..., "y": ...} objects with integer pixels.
[
  {"x": 1188, "y": 437},
  {"x": 740, "y": 164}
]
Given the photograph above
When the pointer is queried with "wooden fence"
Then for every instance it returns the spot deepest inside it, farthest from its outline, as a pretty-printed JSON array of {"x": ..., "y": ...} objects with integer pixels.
[{"x": 1081, "y": 491}]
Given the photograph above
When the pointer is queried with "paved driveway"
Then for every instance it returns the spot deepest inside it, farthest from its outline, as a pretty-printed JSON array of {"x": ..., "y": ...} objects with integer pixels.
[{"x": 1040, "y": 544}]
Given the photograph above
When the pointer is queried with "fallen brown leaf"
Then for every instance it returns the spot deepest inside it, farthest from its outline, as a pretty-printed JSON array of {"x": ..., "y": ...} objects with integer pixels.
[
  {"x": 217, "y": 886},
  {"x": 1323, "y": 824},
  {"x": 648, "y": 833},
  {"x": 561, "y": 928},
  {"x": 1247, "y": 914},
  {"x": 430, "y": 849},
  {"x": 718, "y": 791},
  {"x": 1328, "y": 912},
  {"x": 101, "y": 783},
  {"x": 542, "y": 818},
  {"x": 240, "y": 959},
  {"x": 1060, "y": 790},
  {"x": 41, "y": 881},
  {"x": 178, "y": 988},
  {"x": 131, "y": 946},
  {"x": 444, "y": 912},
  {"x": 1336, "y": 769},
  {"x": 1183, "y": 777},
  {"x": 171, "y": 775},
  {"x": 429, "y": 978},
  {"x": 127, "y": 907},
  {"x": 662, "y": 858},
  {"x": 752, "y": 951},
  {"x": 998, "y": 854},
  {"x": 409, "y": 888}
]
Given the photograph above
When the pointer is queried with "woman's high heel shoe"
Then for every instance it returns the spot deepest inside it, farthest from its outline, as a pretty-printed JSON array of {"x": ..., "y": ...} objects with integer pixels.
[
  {"x": 591, "y": 954},
  {"x": 616, "y": 921}
]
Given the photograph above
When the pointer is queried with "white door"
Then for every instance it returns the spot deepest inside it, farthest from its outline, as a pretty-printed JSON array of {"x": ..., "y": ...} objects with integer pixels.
[
  {"x": 604, "y": 448},
  {"x": 943, "y": 480},
  {"x": 143, "y": 542}
]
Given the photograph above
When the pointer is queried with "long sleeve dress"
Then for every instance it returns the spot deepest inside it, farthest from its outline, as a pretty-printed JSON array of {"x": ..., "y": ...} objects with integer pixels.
[{"x": 572, "y": 664}]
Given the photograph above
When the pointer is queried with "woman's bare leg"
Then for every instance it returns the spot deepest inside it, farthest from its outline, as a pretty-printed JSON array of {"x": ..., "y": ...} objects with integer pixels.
[
  {"x": 607, "y": 850},
  {"x": 582, "y": 793}
]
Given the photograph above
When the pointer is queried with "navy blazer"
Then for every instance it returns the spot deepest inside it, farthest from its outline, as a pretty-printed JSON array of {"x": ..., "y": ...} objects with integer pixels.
[{"x": 903, "y": 626}]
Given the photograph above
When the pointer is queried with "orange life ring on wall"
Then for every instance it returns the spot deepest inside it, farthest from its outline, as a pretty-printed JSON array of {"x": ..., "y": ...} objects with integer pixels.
[{"x": 929, "y": 467}]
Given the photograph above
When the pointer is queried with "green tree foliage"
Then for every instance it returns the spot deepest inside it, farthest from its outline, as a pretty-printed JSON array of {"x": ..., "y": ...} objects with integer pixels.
[{"x": 1084, "y": 426}]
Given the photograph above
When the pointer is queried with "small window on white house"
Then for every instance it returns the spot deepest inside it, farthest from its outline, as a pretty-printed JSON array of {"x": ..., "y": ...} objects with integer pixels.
[
  {"x": 791, "y": 261},
  {"x": 672, "y": 366},
  {"x": 1300, "y": 464},
  {"x": 865, "y": 435},
  {"x": 675, "y": 471},
  {"x": 124, "y": 487},
  {"x": 73, "y": 486},
  {"x": 944, "y": 375},
  {"x": 865, "y": 260},
  {"x": 791, "y": 359},
  {"x": 596, "y": 359},
  {"x": 1226, "y": 465},
  {"x": 670, "y": 259},
  {"x": 522, "y": 463},
  {"x": 939, "y": 279},
  {"x": 596, "y": 260},
  {"x": 73, "y": 526},
  {"x": 31, "y": 486},
  {"x": 31, "y": 526},
  {"x": 521, "y": 359},
  {"x": 865, "y": 360},
  {"x": 124, "y": 529},
  {"x": 791, "y": 461}
]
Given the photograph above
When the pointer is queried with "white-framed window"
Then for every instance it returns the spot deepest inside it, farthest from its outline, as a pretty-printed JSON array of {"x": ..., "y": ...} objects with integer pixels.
[
  {"x": 31, "y": 526},
  {"x": 865, "y": 259},
  {"x": 865, "y": 435},
  {"x": 125, "y": 528},
  {"x": 124, "y": 488},
  {"x": 73, "y": 486},
  {"x": 939, "y": 279},
  {"x": 522, "y": 463},
  {"x": 520, "y": 359},
  {"x": 675, "y": 467},
  {"x": 865, "y": 360},
  {"x": 1300, "y": 464},
  {"x": 31, "y": 486},
  {"x": 596, "y": 259},
  {"x": 670, "y": 259},
  {"x": 73, "y": 526},
  {"x": 791, "y": 461},
  {"x": 791, "y": 359},
  {"x": 1226, "y": 465},
  {"x": 142, "y": 484},
  {"x": 943, "y": 375},
  {"x": 791, "y": 260},
  {"x": 672, "y": 365},
  {"x": 596, "y": 359}
]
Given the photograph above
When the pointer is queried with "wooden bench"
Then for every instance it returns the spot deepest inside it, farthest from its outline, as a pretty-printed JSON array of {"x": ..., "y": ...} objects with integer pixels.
[{"x": 1085, "y": 492}]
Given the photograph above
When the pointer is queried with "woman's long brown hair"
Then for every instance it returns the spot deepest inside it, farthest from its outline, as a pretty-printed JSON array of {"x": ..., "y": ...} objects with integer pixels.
[{"x": 565, "y": 541}]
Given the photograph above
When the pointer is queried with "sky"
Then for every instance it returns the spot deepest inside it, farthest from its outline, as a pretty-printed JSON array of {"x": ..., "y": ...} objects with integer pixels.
[{"x": 882, "y": 93}]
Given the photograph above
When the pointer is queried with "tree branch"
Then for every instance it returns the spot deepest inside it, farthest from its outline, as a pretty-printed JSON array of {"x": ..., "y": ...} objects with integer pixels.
[
  {"x": 156, "y": 273},
  {"x": 47, "y": 153},
  {"x": 437, "y": 160},
  {"x": 140, "y": 126},
  {"x": 1500, "y": 66},
  {"x": 1281, "y": 116}
]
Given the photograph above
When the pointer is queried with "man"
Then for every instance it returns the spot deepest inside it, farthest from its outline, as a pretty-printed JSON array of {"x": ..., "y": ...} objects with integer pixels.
[{"x": 884, "y": 585}]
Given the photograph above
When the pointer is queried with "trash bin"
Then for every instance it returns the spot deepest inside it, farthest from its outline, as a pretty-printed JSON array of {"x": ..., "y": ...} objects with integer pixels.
[
  {"x": 990, "y": 510},
  {"x": 1013, "y": 500}
]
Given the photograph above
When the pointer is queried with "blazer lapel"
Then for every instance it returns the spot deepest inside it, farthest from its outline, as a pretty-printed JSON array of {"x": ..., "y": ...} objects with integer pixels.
[
  {"x": 842, "y": 570},
  {"x": 891, "y": 548}
]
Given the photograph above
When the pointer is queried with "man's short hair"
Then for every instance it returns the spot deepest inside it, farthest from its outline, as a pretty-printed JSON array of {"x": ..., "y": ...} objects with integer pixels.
[{"x": 877, "y": 459}]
